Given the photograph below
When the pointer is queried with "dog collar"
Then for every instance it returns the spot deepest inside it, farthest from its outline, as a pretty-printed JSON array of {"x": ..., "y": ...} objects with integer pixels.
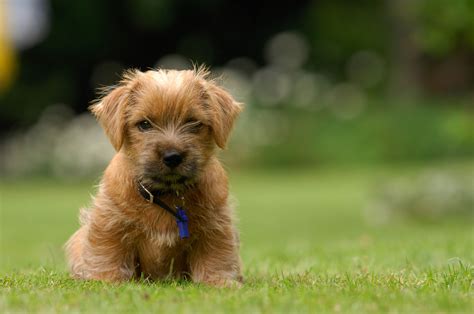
[{"x": 179, "y": 213}]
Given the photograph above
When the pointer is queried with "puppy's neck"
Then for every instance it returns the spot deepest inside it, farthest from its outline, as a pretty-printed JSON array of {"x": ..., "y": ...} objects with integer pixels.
[{"x": 119, "y": 184}]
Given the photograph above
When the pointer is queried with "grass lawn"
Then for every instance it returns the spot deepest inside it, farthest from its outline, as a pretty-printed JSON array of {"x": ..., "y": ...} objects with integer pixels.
[{"x": 307, "y": 246}]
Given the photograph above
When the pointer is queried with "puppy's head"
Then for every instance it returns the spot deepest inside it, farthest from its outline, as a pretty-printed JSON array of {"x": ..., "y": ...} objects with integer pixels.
[{"x": 167, "y": 123}]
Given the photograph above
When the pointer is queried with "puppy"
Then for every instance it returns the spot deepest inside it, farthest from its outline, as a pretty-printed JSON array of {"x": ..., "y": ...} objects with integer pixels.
[{"x": 165, "y": 126}]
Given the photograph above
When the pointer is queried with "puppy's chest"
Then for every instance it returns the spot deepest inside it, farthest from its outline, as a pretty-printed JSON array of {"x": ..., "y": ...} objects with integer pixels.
[
  {"x": 160, "y": 230},
  {"x": 161, "y": 227},
  {"x": 165, "y": 237}
]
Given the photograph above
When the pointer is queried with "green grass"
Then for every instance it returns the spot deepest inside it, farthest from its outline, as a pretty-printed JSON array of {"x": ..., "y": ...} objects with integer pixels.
[{"x": 307, "y": 246}]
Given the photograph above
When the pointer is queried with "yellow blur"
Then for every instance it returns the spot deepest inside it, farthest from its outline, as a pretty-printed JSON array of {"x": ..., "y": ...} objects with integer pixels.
[{"x": 7, "y": 55}]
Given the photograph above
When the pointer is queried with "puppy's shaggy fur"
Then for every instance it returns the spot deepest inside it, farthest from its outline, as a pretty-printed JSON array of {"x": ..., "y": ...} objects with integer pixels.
[{"x": 122, "y": 236}]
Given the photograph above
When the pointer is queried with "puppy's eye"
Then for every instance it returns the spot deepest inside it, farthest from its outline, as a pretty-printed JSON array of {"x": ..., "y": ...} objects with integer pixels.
[
  {"x": 144, "y": 125},
  {"x": 193, "y": 125}
]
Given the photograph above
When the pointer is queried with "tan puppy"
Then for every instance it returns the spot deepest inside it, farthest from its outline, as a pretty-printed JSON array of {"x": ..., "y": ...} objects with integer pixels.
[{"x": 165, "y": 126}]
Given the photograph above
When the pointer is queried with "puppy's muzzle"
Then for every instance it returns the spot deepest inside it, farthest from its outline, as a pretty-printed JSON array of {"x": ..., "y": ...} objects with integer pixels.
[{"x": 172, "y": 158}]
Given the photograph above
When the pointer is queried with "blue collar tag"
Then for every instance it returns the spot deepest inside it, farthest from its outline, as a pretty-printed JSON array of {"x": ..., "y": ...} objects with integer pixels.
[{"x": 182, "y": 221}]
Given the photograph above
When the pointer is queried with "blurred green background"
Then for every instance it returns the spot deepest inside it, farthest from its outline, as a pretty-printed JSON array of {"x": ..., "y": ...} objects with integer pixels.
[
  {"x": 353, "y": 157},
  {"x": 327, "y": 84},
  {"x": 324, "y": 82}
]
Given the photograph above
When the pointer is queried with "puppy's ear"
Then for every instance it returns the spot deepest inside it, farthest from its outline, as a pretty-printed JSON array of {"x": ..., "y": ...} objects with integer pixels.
[
  {"x": 224, "y": 110},
  {"x": 110, "y": 109}
]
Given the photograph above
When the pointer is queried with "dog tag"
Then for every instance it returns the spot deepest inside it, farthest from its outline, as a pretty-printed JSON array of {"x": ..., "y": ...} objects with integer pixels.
[{"x": 182, "y": 221}]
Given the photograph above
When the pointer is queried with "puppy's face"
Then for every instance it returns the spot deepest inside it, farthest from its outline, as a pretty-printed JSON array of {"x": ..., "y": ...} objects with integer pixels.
[{"x": 167, "y": 123}]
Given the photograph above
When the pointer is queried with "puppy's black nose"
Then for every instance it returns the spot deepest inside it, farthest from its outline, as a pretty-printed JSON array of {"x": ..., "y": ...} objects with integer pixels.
[{"x": 172, "y": 158}]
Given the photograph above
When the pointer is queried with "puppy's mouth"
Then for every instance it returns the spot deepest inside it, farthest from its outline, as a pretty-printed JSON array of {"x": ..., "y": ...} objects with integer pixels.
[
  {"x": 169, "y": 183},
  {"x": 169, "y": 180}
]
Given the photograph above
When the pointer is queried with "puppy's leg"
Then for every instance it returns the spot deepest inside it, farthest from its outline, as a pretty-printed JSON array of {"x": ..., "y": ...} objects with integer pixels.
[
  {"x": 96, "y": 252},
  {"x": 74, "y": 248},
  {"x": 215, "y": 259}
]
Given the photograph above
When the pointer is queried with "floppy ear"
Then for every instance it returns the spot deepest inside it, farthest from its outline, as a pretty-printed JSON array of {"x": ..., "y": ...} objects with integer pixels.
[
  {"x": 110, "y": 108},
  {"x": 224, "y": 111},
  {"x": 109, "y": 111}
]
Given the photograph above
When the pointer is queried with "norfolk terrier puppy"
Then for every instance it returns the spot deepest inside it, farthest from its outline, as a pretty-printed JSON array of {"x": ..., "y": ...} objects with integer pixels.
[{"x": 162, "y": 208}]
